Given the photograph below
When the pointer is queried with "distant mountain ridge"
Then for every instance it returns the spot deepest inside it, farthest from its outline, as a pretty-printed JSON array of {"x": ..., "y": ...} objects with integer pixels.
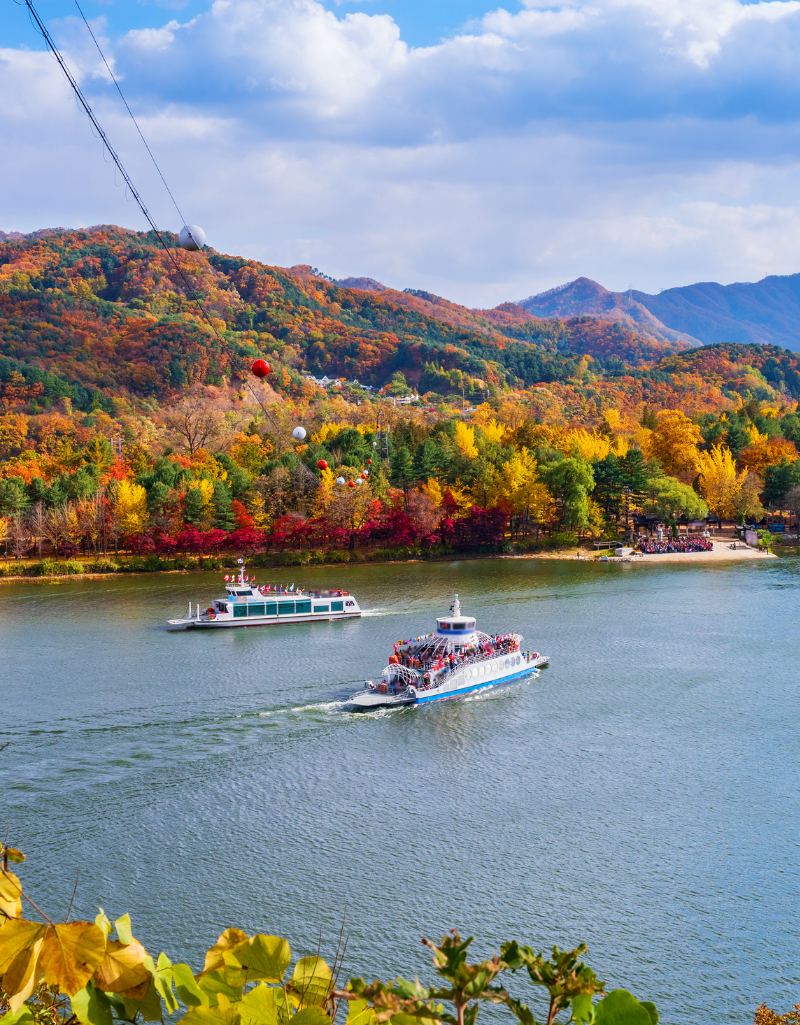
[
  {"x": 765, "y": 312},
  {"x": 584, "y": 297}
]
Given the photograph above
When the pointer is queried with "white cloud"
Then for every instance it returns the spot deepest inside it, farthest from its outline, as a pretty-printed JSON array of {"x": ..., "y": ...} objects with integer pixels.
[{"x": 629, "y": 140}]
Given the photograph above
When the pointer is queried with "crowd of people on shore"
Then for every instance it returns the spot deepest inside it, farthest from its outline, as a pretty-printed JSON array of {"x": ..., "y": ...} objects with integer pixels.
[{"x": 671, "y": 546}]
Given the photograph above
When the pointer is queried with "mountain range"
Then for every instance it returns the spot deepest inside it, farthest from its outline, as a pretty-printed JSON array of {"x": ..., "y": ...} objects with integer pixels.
[
  {"x": 766, "y": 312},
  {"x": 105, "y": 315}
]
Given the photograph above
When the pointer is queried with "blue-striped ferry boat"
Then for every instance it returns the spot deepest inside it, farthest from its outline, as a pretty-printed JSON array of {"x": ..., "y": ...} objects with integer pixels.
[{"x": 455, "y": 660}]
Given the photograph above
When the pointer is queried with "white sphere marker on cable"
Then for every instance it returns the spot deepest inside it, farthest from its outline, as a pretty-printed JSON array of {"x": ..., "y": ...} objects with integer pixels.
[
  {"x": 340, "y": 480},
  {"x": 192, "y": 237},
  {"x": 299, "y": 433}
]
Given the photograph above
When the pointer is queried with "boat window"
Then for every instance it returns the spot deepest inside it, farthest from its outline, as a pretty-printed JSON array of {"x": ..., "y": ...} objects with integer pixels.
[
  {"x": 303, "y": 606},
  {"x": 459, "y": 626},
  {"x": 244, "y": 592},
  {"x": 322, "y": 608},
  {"x": 337, "y": 606},
  {"x": 239, "y": 611},
  {"x": 271, "y": 609},
  {"x": 221, "y": 606},
  {"x": 285, "y": 608},
  {"x": 255, "y": 608}
]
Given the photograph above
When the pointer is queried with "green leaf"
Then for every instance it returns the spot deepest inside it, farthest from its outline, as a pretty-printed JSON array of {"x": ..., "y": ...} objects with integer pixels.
[
  {"x": 214, "y": 984},
  {"x": 260, "y": 1006},
  {"x": 186, "y": 987},
  {"x": 163, "y": 983},
  {"x": 148, "y": 1006},
  {"x": 582, "y": 1007},
  {"x": 91, "y": 1006},
  {"x": 311, "y": 980},
  {"x": 650, "y": 1007},
  {"x": 264, "y": 957},
  {"x": 359, "y": 1013},
  {"x": 310, "y": 1016},
  {"x": 21, "y": 1017},
  {"x": 227, "y": 1015},
  {"x": 620, "y": 1007},
  {"x": 123, "y": 927}
]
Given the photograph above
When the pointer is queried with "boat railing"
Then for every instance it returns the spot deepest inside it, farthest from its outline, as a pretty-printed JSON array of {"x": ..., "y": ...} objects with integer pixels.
[{"x": 446, "y": 671}]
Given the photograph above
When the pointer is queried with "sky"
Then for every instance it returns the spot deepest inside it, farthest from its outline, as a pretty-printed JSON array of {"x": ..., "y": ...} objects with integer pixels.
[{"x": 482, "y": 153}]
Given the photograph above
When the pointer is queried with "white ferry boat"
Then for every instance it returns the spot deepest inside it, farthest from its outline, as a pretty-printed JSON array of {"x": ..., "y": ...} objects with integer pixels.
[
  {"x": 246, "y": 604},
  {"x": 455, "y": 660}
]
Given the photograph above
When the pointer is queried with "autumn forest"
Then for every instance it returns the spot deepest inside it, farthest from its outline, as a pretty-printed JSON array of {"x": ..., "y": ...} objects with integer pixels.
[{"x": 133, "y": 429}]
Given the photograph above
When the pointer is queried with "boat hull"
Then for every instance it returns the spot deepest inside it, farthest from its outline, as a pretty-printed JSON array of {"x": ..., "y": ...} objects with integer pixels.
[
  {"x": 220, "y": 624},
  {"x": 459, "y": 686}
]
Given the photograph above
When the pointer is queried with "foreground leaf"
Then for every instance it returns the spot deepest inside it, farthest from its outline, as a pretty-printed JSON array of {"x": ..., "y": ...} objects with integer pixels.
[
  {"x": 123, "y": 927},
  {"x": 149, "y": 1006},
  {"x": 91, "y": 1006},
  {"x": 619, "y": 1007},
  {"x": 311, "y": 1016},
  {"x": 10, "y": 895},
  {"x": 20, "y": 980},
  {"x": 360, "y": 1013},
  {"x": 227, "y": 1014},
  {"x": 260, "y": 1006},
  {"x": 122, "y": 968},
  {"x": 16, "y": 936},
  {"x": 21, "y": 1017},
  {"x": 70, "y": 955},
  {"x": 230, "y": 939},
  {"x": 264, "y": 958},
  {"x": 311, "y": 981},
  {"x": 187, "y": 988},
  {"x": 214, "y": 984}
]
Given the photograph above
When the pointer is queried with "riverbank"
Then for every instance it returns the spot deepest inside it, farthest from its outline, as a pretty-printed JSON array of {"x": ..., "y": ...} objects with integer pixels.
[{"x": 51, "y": 570}]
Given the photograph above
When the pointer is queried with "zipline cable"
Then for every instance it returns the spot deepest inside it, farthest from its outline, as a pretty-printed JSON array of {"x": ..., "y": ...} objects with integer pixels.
[
  {"x": 136, "y": 123},
  {"x": 134, "y": 192}
]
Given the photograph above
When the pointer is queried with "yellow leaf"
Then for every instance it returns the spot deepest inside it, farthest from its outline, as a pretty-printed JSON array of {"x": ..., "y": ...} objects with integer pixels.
[
  {"x": 311, "y": 981},
  {"x": 23, "y": 974},
  {"x": 102, "y": 923},
  {"x": 122, "y": 968},
  {"x": 70, "y": 955},
  {"x": 360, "y": 1013},
  {"x": 10, "y": 899},
  {"x": 16, "y": 936},
  {"x": 263, "y": 957},
  {"x": 231, "y": 938},
  {"x": 312, "y": 1016},
  {"x": 123, "y": 927},
  {"x": 260, "y": 1006},
  {"x": 212, "y": 1016}
]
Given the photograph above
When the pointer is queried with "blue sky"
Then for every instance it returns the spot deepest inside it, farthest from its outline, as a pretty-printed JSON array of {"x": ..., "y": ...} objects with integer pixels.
[{"x": 480, "y": 152}]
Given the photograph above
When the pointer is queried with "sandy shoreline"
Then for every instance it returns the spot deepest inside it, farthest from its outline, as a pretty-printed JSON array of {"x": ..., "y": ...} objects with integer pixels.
[{"x": 720, "y": 552}]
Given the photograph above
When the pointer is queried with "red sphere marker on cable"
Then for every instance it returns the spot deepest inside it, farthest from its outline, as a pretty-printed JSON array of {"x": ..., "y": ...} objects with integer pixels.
[
  {"x": 261, "y": 368},
  {"x": 322, "y": 465},
  {"x": 351, "y": 484},
  {"x": 370, "y": 462}
]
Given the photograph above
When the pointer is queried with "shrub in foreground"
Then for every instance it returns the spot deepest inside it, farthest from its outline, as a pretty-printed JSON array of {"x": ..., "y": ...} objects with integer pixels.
[{"x": 97, "y": 973}]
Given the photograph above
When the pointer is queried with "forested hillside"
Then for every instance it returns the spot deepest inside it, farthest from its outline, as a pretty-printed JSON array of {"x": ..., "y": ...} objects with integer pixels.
[
  {"x": 130, "y": 414},
  {"x": 108, "y": 310}
]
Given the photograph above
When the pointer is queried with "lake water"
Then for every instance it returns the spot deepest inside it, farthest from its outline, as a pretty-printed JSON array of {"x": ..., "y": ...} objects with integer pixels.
[{"x": 641, "y": 794}]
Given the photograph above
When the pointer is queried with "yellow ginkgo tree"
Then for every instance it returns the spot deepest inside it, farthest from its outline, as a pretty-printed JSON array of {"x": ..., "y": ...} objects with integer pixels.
[{"x": 720, "y": 484}]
